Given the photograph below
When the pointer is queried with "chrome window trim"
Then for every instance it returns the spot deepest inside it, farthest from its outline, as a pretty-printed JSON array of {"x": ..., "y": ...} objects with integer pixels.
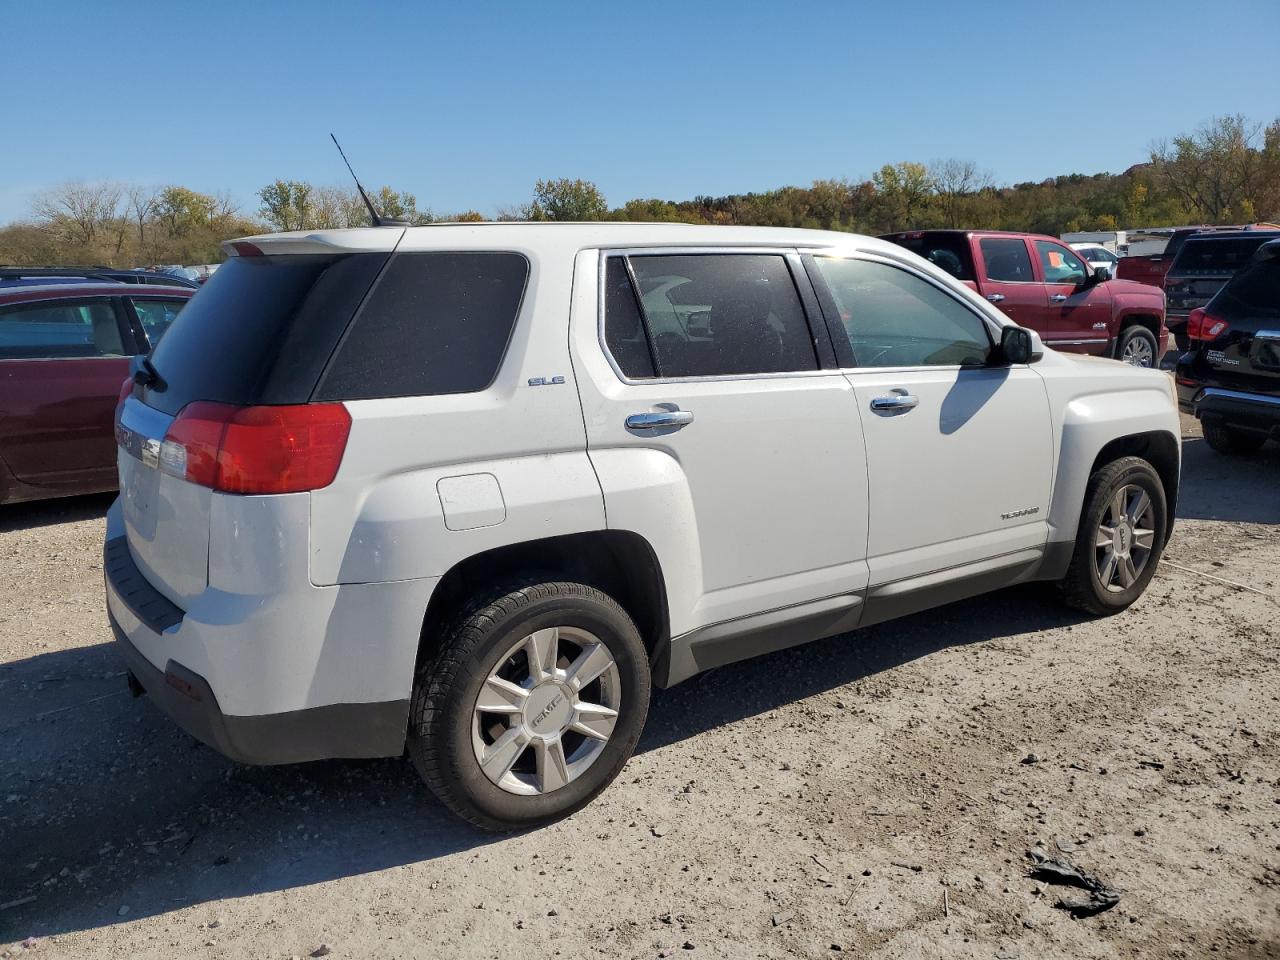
[
  {"x": 606, "y": 252},
  {"x": 1050, "y": 343}
]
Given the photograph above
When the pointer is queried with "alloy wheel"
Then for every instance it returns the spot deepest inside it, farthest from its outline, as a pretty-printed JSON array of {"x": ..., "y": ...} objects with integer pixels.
[
  {"x": 546, "y": 711},
  {"x": 1138, "y": 352},
  {"x": 1125, "y": 538}
]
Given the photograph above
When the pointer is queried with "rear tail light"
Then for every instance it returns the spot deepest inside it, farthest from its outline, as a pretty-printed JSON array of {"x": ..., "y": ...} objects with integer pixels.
[
  {"x": 1205, "y": 326},
  {"x": 257, "y": 449},
  {"x": 126, "y": 389}
]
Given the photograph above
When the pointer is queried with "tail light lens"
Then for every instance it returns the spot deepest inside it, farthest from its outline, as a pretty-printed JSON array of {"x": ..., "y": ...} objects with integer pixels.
[
  {"x": 257, "y": 449},
  {"x": 1205, "y": 326}
]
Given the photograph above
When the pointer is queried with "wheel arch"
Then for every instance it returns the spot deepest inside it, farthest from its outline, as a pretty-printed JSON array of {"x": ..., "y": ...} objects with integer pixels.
[
  {"x": 1138, "y": 318},
  {"x": 621, "y": 563},
  {"x": 1160, "y": 449}
]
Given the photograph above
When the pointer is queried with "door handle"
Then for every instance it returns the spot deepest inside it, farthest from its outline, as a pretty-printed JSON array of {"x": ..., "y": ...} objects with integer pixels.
[
  {"x": 658, "y": 419},
  {"x": 995, "y": 297},
  {"x": 1058, "y": 297},
  {"x": 898, "y": 400}
]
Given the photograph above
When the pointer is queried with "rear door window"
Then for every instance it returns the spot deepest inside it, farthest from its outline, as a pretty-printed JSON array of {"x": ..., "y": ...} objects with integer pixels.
[
  {"x": 1252, "y": 293},
  {"x": 156, "y": 316},
  {"x": 434, "y": 323},
  {"x": 62, "y": 329},
  {"x": 708, "y": 315},
  {"x": 1005, "y": 260}
]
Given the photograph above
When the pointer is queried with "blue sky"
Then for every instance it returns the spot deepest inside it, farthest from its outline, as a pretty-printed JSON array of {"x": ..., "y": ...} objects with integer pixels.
[{"x": 466, "y": 104}]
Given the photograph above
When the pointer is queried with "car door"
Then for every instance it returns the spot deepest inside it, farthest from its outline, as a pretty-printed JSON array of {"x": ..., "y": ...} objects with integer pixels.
[
  {"x": 714, "y": 429},
  {"x": 1009, "y": 281},
  {"x": 61, "y": 366},
  {"x": 1079, "y": 318},
  {"x": 959, "y": 446}
]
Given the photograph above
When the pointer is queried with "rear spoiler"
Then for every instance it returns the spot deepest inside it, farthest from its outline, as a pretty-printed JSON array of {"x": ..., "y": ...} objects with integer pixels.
[
  {"x": 357, "y": 240},
  {"x": 1268, "y": 251}
]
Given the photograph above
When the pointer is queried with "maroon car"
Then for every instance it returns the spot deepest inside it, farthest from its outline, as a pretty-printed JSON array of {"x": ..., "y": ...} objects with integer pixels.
[{"x": 64, "y": 353}]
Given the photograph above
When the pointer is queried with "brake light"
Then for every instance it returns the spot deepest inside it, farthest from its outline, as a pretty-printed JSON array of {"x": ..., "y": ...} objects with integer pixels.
[
  {"x": 1205, "y": 326},
  {"x": 257, "y": 449},
  {"x": 245, "y": 249}
]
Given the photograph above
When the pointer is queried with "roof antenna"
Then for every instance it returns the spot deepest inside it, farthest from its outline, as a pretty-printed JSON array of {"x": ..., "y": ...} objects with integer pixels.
[{"x": 378, "y": 219}]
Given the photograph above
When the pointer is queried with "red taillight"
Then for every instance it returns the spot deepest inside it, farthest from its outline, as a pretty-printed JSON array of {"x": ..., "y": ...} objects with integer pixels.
[
  {"x": 1205, "y": 326},
  {"x": 246, "y": 249},
  {"x": 257, "y": 449}
]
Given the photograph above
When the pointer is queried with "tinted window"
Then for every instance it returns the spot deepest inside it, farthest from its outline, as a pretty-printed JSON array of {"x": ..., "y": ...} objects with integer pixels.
[
  {"x": 949, "y": 251},
  {"x": 63, "y": 329},
  {"x": 723, "y": 315},
  {"x": 261, "y": 330},
  {"x": 1254, "y": 292},
  {"x": 623, "y": 329},
  {"x": 1059, "y": 264},
  {"x": 434, "y": 323},
  {"x": 156, "y": 316},
  {"x": 895, "y": 319},
  {"x": 1006, "y": 260},
  {"x": 1216, "y": 255}
]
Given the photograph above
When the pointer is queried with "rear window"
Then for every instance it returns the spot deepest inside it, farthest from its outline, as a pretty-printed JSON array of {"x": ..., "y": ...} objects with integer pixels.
[
  {"x": 434, "y": 323},
  {"x": 948, "y": 251},
  {"x": 1254, "y": 292},
  {"x": 260, "y": 331},
  {"x": 1217, "y": 255}
]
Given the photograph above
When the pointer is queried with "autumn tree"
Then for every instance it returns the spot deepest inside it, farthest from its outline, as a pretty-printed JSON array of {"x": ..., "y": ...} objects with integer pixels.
[
  {"x": 1216, "y": 171},
  {"x": 566, "y": 199},
  {"x": 287, "y": 204}
]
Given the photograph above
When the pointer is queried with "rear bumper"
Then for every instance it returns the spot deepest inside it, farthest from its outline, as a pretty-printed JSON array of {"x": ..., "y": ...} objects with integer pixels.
[
  {"x": 1253, "y": 411},
  {"x": 317, "y": 733},
  {"x": 289, "y": 675}
]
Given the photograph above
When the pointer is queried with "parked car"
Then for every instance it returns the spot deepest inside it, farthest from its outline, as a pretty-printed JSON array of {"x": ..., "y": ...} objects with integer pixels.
[
  {"x": 479, "y": 489},
  {"x": 1043, "y": 284},
  {"x": 1098, "y": 257},
  {"x": 26, "y": 274},
  {"x": 1230, "y": 378},
  {"x": 1150, "y": 269},
  {"x": 64, "y": 352},
  {"x": 1202, "y": 267}
]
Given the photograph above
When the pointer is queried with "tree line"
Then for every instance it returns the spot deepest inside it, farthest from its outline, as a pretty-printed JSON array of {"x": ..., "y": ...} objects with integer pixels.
[{"x": 1227, "y": 171}]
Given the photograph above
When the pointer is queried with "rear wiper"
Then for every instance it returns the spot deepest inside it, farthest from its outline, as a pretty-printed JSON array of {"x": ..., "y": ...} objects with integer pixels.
[{"x": 144, "y": 373}]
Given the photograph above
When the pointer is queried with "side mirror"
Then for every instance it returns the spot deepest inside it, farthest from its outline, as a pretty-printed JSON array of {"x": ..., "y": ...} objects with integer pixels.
[
  {"x": 1019, "y": 345},
  {"x": 1101, "y": 273}
]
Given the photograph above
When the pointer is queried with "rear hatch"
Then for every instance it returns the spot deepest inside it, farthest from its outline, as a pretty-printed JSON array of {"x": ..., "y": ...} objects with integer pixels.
[
  {"x": 1203, "y": 267},
  {"x": 1246, "y": 356},
  {"x": 258, "y": 333}
]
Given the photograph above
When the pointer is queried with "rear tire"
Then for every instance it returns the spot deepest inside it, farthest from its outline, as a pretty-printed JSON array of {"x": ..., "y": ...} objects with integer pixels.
[
  {"x": 511, "y": 725},
  {"x": 1114, "y": 561},
  {"x": 1138, "y": 347},
  {"x": 1232, "y": 441}
]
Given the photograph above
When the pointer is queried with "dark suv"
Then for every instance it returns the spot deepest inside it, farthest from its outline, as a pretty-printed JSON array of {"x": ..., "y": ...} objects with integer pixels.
[
  {"x": 1231, "y": 378},
  {"x": 64, "y": 353},
  {"x": 1202, "y": 267}
]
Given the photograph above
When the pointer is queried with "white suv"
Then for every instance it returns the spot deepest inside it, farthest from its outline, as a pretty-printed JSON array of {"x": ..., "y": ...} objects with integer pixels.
[{"x": 477, "y": 487}]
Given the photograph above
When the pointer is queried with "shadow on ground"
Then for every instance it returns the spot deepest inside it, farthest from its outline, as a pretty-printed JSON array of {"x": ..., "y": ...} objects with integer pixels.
[
  {"x": 108, "y": 804},
  {"x": 44, "y": 513},
  {"x": 1218, "y": 487}
]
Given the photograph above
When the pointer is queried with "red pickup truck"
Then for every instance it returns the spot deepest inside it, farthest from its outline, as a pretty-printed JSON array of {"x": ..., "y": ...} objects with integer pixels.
[{"x": 1043, "y": 284}]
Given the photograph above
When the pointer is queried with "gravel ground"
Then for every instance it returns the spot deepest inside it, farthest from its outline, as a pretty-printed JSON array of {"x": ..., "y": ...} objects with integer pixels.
[{"x": 873, "y": 794}]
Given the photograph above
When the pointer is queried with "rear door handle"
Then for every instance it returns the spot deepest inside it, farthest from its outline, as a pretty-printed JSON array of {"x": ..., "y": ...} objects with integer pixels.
[
  {"x": 995, "y": 297},
  {"x": 898, "y": 400},
  {"x": 1058, "y": 297},
  {"x": 656, "y": 420}
]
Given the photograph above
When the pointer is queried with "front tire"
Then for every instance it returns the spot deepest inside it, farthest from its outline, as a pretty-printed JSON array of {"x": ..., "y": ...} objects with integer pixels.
[
  {"x": 1231, "y": 441},
  {"x": 532, "y": 706},
  {"x": 1120, "y": 538}
]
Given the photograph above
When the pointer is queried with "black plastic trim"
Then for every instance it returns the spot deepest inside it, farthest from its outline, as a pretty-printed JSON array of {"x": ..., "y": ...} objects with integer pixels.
[
  {"x": 148, "y": 604},
  {"x": 339, "y": 730}
]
